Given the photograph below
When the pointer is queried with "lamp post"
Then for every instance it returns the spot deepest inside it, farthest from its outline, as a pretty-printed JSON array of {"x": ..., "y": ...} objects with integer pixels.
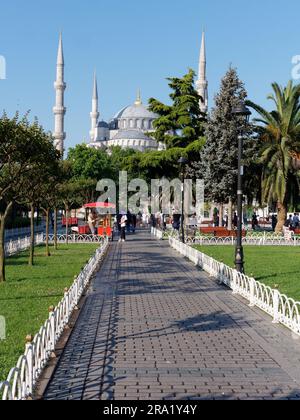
[
  {"x": 182, "y": 162},
  {"x": 243, "y": 112}
]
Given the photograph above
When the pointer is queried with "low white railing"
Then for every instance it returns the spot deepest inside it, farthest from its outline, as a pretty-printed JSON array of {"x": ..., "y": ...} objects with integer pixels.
[
  {"x": 266, "y": 240},
  {"x": 75, "y": 238},
  {"x": 22, "y": 379},
  {"x": 283, "y": 309},
  {"x": 22, "y": 244}
]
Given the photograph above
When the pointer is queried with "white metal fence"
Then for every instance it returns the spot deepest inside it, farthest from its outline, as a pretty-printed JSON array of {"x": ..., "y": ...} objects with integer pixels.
[
  {"x": 15, "y": 246},
  {"x": 283, "y": 309},
  {"x": 22, "y": 379},
  {"x": 258, "y": 240},
  {"x": 276, "y": 240},
  {"x": 75, "y": 238}
]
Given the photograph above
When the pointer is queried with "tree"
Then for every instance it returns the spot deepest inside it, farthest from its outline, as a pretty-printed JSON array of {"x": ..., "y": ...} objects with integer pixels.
[
  {"x": 181, "y": 123},
  {"x": 218, "y": 165},
  {"x": 279, "y": 132},
  {"x": 89, "y": 163},
  {"x": 20, "y": 145}
]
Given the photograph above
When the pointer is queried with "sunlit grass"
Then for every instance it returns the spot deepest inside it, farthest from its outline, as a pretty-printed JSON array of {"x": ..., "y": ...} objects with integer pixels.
[
  {"x": 271, "y": 265},
  {"x": 29, "y": 291}
]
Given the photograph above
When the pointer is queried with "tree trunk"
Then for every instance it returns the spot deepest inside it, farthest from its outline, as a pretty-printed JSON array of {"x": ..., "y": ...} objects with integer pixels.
[
  {"x": 282, "y": 217},
  {"x": 31, "y": 250},
  {"x": 230, "y": 213},
  {"x": 3, "y": 218},
  {"x": 55, "y": 229},
  {"x": 47, "y": 232}
]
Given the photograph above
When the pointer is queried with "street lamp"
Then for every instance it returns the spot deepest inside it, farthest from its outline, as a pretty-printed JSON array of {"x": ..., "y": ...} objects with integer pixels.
[
  {"x": 243, "y": 112},
  {"x": 182, "y": 162}
]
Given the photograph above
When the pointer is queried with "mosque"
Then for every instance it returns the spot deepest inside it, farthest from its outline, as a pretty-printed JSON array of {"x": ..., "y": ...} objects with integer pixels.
[{"x": 131, "y": 127}]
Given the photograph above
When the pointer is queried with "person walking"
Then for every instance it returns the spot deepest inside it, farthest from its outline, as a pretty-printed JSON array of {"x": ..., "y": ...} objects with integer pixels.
[
  {"x": 296, "y": 221},
  {"x": 254, "y": 221},
  {"x": 134, "y": 222},
  {"x": 123, "y": 223},
  {"x": 92, "y": 221},
  {"x": 274, "y": 222}
]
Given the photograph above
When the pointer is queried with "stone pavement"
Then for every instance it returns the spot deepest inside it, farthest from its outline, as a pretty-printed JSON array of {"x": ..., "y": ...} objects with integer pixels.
[{"x": 155, "y": 327}]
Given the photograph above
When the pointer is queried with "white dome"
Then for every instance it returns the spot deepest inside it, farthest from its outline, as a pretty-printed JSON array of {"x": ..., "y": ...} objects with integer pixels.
[{"x": 137, "y": 111}]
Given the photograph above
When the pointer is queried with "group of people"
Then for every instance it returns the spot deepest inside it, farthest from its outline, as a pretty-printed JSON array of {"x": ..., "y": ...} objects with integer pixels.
[
  {"x": 293, "y": 222},
  {"x": 125, "y": 223}
]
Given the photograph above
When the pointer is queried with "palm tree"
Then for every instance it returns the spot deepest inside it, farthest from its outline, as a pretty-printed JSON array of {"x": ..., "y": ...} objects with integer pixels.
[{"x": 279, "y": 132}]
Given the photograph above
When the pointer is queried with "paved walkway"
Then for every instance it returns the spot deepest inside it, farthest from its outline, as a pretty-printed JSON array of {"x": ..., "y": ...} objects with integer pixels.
[{"x": 155, "y": 327}]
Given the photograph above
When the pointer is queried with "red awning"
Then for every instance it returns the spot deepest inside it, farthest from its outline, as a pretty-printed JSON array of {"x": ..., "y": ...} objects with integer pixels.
[{"x": 100, "y": 205}]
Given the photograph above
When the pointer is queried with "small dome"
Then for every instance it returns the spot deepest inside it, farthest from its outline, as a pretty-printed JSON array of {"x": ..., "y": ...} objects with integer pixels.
[
  {"x": 131, "y": 135},
  {"x": 103, "y": 124}
]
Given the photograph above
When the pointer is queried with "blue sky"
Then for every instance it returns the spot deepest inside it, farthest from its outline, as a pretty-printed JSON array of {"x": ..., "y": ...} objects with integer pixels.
[{"x": 137, "y": 44}]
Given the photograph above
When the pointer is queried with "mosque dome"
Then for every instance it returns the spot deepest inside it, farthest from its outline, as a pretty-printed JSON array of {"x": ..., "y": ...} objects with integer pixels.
[{"x": 136, "y": 116}]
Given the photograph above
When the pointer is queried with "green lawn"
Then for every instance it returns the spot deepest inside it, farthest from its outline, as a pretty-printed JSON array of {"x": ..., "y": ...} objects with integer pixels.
[
  {"x": 271, "y": 265},
  {"x": 28, "y": 293}
]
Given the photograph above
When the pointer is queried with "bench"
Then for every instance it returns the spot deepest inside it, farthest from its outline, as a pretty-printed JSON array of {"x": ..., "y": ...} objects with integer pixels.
[{"x": 221, "y": 232}]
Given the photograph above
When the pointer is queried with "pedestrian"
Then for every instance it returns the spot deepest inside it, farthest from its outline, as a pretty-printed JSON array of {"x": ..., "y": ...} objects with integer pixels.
[
  {"x": 92, "y": 221},
  {"x": 164, "y": 222},
  {"x": 123, "y": 223},
  {"x": 254, "y": 221},
  {"x": 296, "y": 221},
  {"x": 129, "y": 221},
  {"x": 145, "y": 219},
  {"x": 134, "y": 221},
  {"x": 274, "y": 222},
  {"x": 176, "y": 221},
  {"x": 152, "y": 221},
  {"x": 289, "y": 222}
]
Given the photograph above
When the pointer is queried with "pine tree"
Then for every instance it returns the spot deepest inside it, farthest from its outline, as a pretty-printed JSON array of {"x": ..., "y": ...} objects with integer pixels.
[
  {"x": 218, "y": 164},
  {"x": 181, "y": 123}
]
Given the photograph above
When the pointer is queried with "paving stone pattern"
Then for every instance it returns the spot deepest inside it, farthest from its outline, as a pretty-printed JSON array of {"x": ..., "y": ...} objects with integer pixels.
[{"x": 154, "y": 327}]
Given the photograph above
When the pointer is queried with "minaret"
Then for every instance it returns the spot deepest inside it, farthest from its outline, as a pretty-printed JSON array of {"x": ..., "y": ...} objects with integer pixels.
[
  {"x": 202, "y": 84},
  {"x": 94, "y": 114},
  {"x": 59, "y": 110}
]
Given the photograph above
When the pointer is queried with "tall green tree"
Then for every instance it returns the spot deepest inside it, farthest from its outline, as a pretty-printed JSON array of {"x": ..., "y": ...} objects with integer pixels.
[
  {"x": 218, "y": 164},
  {"x": 279, "y": 132},
  {"x": 182, "y": 122}
]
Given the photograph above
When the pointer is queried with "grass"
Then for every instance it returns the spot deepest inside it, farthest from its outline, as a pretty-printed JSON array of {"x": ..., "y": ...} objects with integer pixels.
[
  {"x": 271, "y": 265},
  {"x": 29, "y": 291}
]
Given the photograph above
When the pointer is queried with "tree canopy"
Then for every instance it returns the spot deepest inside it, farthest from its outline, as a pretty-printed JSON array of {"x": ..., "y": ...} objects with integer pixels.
[{"x": 182, "y": 122}]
